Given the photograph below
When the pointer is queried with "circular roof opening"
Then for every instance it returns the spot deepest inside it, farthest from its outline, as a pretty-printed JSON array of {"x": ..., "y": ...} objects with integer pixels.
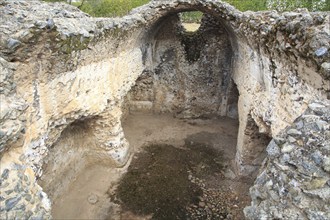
[{"x": 191, "y": 20}]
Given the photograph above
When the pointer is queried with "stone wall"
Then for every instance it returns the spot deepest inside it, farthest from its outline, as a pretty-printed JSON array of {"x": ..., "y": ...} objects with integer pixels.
[
  {"x": 12, "y": 107},
  {"x": 187, "y": 74},
  {"x": 60, "y": 68},
  {"x": 294, "y": 182},
  {"x": 21, "y": 197},
  {"x": 64, "y": 74},
  {"x": 277, "y": 77}
]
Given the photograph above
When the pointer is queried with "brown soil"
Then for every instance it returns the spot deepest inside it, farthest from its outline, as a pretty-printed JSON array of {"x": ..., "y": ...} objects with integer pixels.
[{"x": 197, "y": 153}]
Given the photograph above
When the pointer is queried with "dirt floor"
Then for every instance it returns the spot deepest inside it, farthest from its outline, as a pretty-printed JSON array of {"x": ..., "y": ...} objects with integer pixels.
[{"x": 181, "y": 169}]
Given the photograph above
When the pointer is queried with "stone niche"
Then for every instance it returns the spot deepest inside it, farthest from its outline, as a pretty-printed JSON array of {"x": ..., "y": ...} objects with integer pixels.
[
  {"x": 66, "y": 158},
  {"x": 187, "y": 73}
]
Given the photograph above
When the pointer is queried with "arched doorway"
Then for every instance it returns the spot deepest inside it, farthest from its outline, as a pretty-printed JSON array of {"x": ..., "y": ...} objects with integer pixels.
[{"x": 184, "y": 102}]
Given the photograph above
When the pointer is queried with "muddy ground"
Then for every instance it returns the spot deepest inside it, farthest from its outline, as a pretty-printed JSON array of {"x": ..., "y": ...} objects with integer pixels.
[{"x": 181, "y": 169}]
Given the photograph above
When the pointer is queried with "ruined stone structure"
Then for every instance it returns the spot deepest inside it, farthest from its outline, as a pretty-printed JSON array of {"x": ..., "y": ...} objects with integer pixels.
[{"x": 67, "y": 79}]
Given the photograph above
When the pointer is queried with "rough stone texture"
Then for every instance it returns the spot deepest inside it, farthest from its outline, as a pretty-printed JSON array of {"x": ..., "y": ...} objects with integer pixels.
[
  {"x": 65, "y": 74},
  {"x": 12, "y": 107},
  {"x": 294, "y": 179},
  {"x": 187, "y": 74},
  {"x": 21, "y": 197}
]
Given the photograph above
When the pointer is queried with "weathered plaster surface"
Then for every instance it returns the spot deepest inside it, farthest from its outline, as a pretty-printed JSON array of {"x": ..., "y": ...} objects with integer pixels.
[{"x": 64, "y": 72}]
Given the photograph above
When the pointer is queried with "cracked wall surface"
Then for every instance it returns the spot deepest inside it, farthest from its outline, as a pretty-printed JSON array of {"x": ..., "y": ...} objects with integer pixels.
[
  {"x": 60, "y": 67},
  {"x": 187, "y": 74}
]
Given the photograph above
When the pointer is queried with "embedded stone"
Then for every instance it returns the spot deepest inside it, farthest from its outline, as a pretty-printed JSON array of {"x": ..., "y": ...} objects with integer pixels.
[
  {"x": 322, "y": 193},
  {"x": 287, "y": 148},
  {"x": 27, "y": 197},
  {"x": 50, "y": 23},
  {"x": 13, "y": 43},
  {"x": 319, "y": 215},
  {"x": 294, "y": 132},
  {"x": 326, "y": 164},
  {"x": 5, "y": 174},
  {"x": 93, "y": 199},
  {"x": 321, "y": 51},
  {"x": 316, "y": 183},
  {"x": 273, "y": 149},
  {"x": 317, "y": 157},
  {"x": 291, "y": 139},
  {"x": 325, "y": 69},
  {"x": 10, "y": 203}
]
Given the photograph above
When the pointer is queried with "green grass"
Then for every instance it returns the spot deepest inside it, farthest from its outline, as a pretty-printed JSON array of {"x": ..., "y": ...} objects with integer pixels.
[
  {"x": 111, "y": 8},
  {"x": 114, "y": 8},
  {"x": 191, "y": 16}
]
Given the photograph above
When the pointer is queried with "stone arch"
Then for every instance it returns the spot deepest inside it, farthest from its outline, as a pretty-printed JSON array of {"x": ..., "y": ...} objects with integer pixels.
[
  {"x": 79, "y": 144},
  {"x": 281, "y": 64},
  {"x": 67, "y": 156},
  {"x": 260, "y": 63},
  {"x": 150, "y": 36},
  {"x": 228, "y": 19},
  {"x": 226, "y": 14}
]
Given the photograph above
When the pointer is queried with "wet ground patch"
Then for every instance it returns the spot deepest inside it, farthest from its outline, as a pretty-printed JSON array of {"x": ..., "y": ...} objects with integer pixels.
[
  {"x": 163, "y": 181},
  {"x": 223, "y": 195}
]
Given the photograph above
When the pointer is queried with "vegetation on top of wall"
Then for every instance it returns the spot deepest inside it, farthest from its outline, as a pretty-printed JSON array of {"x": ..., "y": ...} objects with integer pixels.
[
  {"x": 191, "y": 16},
  {"x": 289, "y": 5},
  {"x": 110, "y": 8},
  {"x": 113, "y": 8},
  {"x": 280, "y": 5},
  {"x": 105, "y": 8}
]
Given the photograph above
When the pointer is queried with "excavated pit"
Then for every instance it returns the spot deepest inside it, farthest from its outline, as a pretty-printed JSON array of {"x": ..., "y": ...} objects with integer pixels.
[
  {"x": 181, "y": 121},
  {"x": 181, "y": 169},
  {"x": 200, "y": 109}
]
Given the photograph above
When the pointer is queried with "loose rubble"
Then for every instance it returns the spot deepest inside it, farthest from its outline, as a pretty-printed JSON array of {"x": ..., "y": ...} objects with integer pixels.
[{"x": 214, "y": 203}]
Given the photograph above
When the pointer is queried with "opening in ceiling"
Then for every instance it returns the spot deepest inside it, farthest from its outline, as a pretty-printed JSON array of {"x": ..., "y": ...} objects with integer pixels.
[{"x": 191, "y": 20}]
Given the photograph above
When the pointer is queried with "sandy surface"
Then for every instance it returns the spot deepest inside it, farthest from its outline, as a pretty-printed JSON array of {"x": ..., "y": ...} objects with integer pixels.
[
  {"x": 191, "y": 27},
  {"x": 91, "y": 195}
]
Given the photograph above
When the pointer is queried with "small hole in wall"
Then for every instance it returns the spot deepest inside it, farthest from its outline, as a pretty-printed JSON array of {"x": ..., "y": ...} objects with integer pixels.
[
  {"x": 15, "y": 59},
  {"x": 191, "y": 20}
]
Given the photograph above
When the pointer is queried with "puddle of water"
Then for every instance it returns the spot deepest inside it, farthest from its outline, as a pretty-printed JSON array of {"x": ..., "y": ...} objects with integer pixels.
[{"x": 160, "y": 180}]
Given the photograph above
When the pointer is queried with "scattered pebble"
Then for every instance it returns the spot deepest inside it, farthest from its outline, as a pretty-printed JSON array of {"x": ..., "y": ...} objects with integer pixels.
[{"x": 93, "y": 199}]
